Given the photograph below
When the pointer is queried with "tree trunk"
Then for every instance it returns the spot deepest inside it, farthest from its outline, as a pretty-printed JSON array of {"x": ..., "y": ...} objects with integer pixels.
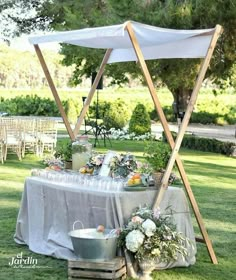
[{"x": 181, "y": 100}]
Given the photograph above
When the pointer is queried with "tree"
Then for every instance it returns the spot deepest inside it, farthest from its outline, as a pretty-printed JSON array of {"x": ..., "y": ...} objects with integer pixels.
[
  {"x": 140, "y": 122},
  {"x": 178, "y": 75}
]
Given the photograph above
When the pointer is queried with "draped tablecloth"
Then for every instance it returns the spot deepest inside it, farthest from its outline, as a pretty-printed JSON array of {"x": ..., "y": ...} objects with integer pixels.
[{"x": 49, "y": 209}]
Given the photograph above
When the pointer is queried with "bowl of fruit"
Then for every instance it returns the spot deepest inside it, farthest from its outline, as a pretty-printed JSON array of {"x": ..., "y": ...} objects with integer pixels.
[{"x": 136, "y": 182}]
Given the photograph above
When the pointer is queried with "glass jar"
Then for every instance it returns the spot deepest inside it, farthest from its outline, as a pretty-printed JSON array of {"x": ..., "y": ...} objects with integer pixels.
[{"x": 81, "y": 152}]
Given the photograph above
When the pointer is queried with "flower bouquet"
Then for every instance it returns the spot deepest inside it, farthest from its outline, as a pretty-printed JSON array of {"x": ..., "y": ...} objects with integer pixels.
[
  {"x": 122, "y": 165},
  {"x": 96, "y": 161},
  {"x": 94, "y": 164},
  {"x": 152, "y": 236},
  {"x": 53, "y": 163}
]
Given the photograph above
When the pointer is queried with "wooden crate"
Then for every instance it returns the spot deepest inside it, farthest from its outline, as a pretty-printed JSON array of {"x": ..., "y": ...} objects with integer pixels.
[{"x": 82, "y": 269}]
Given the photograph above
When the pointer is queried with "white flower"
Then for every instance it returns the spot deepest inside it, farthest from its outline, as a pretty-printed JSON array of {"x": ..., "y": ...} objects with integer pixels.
[
  {"x": 156, "y": 252},
  {"x": 149, "y": 227},
  {"x": 134, "y": 240},
  {"x": 157, "y": 212}
]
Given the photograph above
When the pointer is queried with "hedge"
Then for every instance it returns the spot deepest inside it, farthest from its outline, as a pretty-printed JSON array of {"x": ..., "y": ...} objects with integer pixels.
[{"x": 205, "y": 144}]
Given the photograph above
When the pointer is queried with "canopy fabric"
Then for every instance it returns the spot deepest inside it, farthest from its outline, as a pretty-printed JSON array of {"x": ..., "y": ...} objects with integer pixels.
[{"x": 155, "y": 42}]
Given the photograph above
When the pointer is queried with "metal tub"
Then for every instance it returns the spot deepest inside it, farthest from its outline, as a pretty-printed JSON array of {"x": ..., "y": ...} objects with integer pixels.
[{"x": 89, "y": 244}]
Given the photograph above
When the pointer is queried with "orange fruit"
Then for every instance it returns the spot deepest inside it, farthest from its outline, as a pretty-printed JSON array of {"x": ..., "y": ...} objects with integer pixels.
[{"x": 136, "y": 176}]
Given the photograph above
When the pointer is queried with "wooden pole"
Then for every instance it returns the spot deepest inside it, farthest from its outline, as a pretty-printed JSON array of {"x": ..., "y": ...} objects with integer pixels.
[
  {"x": 54, "y": 91},
  {"x": 92, "y": 91},
  {"x": 171, "y": 142},
  {"x": 189, "y": 110}
]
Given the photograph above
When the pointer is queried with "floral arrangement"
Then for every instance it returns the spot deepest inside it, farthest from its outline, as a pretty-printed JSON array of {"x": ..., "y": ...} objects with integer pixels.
[
  {"x": 95, "y": 161},
  {"x": 144, "y": 168},
  {"x": 122, "y": 165},
  {"x": 94, "y": 164},
  {"x": 53, "y": 163},
  {"x": 150, "y": 235}
]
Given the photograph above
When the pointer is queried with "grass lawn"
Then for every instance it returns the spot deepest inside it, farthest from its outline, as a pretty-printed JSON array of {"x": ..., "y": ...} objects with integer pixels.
[{"x": 212, "y": 178}]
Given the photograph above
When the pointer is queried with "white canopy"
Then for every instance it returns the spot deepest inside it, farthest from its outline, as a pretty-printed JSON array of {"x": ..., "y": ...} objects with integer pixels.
[{"x": 155, "y": 42}]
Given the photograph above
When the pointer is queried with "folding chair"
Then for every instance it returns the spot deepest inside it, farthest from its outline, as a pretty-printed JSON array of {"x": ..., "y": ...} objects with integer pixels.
[
  {"x": 13, "y": 137},
  {"x": 46, "y": 135},
  {"x": 29, "y": 135}
]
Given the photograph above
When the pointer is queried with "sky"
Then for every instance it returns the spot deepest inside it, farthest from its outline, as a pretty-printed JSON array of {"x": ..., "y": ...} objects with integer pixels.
[{"x": 22, "y": 43}]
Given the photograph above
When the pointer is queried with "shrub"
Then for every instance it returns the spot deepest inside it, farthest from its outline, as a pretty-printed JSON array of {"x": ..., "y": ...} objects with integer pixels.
[
  {"x": 71, "y": 111},
  {"x": 30, "y": 105},
  {"x": 204, "y": 117},
  {"x": 103, "y": 107},
  {"x": 205, "y": 144},
  {"x": 140, "y": 122},
  {"x": 117, "y": 116},
  {"x": 168, "y": 111},
  {"x": 157, "y": 154},
  {"x": 64, "y": 150}
]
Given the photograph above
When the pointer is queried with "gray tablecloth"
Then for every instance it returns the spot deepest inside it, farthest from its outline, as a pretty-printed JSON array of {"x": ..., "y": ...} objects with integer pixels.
[{"x": 49, "y": 209}]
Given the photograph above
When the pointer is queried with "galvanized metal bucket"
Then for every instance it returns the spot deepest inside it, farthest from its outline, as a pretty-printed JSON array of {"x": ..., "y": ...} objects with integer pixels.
[{"x": 89, "y": 244}]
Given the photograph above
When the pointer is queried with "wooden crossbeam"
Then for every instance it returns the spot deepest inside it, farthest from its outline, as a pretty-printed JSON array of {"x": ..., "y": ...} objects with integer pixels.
[
  {"x": 92, "y": 91},
  {"x": 175, "y": 156},
  {"x": 54, "y": 91}
]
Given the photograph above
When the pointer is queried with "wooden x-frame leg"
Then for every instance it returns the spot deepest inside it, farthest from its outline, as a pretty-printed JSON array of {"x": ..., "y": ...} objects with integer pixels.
[{"x": 176, "y": 145}]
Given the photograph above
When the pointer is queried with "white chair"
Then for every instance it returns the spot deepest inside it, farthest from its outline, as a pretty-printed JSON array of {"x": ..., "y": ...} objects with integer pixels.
[
  {"x": 29, "y": 135},
  {"x": 46, "y": 134},
  {"x": 13, "y": 137}
]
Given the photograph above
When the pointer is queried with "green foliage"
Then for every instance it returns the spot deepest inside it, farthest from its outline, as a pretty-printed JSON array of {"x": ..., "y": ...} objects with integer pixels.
[
  {"x": 208, "y": 145},
  {"x": 178, "y": 74},
  {"x": 168, "y": 114},
  {"x": 101, "y": 110},
  {"x": 204, "y": 117},
  {"x": 219, "y": 109},
  {"x": 212, "y": 178},
  {"x": 64, "y": 150},
  {"x": 78, "y": 148},
  {"x": 145, "y": 236},
  {"x": 204, "y": 144},
  {"x": 117, "y": 116},
  {"x": 122, "y": 165},
  {"x": 20, "y": 69},
  {"x": 157, "y": 154},
  {"x": 29, "y": 105},
  {"x": 191, "y": 14},
  {"x": 71, "y": 111},
  {"x": 140, "y": 122}
]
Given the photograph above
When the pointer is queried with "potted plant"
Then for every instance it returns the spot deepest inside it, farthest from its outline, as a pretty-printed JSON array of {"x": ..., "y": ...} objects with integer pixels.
[
  {"x": 64, "y": 152},
  {"x": 151, "y": 237},
  {"x": 157, "y": 154}
]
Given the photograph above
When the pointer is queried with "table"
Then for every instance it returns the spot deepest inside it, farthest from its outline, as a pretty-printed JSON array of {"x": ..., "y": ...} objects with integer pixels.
[{"x": 49, "y": 208}]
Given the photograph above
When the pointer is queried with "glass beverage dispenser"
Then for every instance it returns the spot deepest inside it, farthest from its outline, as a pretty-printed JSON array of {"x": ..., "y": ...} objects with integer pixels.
[{"x": 81, "y": 152}]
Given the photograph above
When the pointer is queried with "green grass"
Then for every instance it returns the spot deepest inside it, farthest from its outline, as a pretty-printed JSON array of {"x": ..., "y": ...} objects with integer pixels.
[{"x": 212, "y": 178}]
